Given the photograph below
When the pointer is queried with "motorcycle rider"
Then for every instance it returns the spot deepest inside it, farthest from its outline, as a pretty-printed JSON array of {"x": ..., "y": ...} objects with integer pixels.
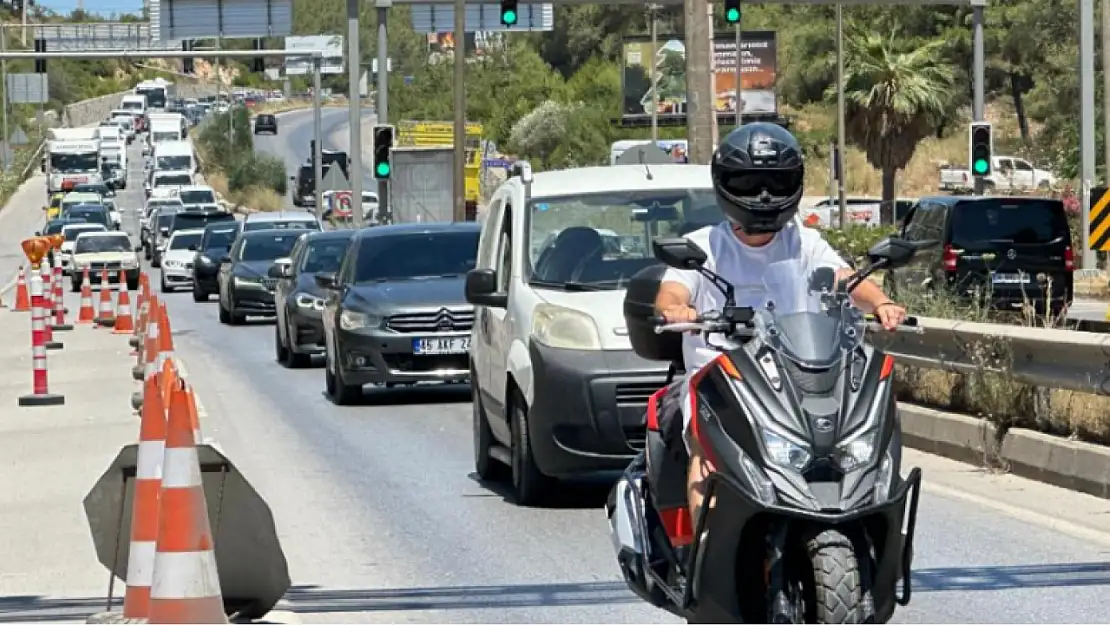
[{"x": 757, "y": 173}]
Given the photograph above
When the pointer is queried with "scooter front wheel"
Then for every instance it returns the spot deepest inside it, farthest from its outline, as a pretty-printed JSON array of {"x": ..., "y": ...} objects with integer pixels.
[{"x": 840, "y": 596}]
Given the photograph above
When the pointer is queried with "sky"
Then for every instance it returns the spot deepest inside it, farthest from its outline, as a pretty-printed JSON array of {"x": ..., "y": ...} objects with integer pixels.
[{"x": 94, "y": 6}]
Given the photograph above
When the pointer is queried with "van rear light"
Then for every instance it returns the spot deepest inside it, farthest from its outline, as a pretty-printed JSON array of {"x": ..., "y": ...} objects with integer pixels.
[
  {"x": 1069, "y": 259},
  {"x": 949, "y": 259}
]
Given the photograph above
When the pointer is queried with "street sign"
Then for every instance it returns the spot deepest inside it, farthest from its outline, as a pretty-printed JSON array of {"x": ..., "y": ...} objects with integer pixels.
[
  {"x": 230, "y": 19},
  {"x": 438, "y": 18},
  {"x": 341, "y": 204},
  {"x": 28, "y": 89},
  {"x": 19, "y": 138},
  {"x": 334, "y": 180},
  {"x": 89, "y": 36},
  {"x": 388, "y": 65},
  {"x": 331, "y": 45}
]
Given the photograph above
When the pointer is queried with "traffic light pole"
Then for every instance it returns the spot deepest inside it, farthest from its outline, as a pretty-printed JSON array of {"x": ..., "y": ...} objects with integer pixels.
[
  {"x": 977, "y": 72},
  {"x": 385, "y": 213},
  {"x": 317, "y": 145},
  {"x": 354, "y": 69}
]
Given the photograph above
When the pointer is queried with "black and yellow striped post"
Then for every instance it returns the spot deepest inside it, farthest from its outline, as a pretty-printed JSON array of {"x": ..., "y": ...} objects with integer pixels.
[{"x": 1100, "y": 219}]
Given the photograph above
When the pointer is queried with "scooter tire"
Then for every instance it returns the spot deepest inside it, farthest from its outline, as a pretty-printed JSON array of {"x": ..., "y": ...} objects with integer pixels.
[{"x": 838, "y": 580}]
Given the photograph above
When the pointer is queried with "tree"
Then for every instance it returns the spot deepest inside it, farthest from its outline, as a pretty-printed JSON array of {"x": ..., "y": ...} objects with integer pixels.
[{"x": 894, "y": 98}]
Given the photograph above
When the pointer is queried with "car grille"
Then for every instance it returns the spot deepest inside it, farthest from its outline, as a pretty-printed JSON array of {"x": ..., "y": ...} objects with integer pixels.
[
  {"x": 269, "y": 283},
  {"x": 110, "y": 266},
  {"x": 637, "y": 393},
  {"x": 442, "y": 321},
  {"x": 188, "y": 266}
]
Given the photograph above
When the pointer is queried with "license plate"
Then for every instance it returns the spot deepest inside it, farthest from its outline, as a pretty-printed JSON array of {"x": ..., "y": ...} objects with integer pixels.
[
  {"x": 1010, "y": 278},
  {"x": 434, "y": 346}
]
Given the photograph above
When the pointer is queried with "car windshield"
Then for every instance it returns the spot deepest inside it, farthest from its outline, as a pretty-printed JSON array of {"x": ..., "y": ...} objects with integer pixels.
[
  {"x": 415, "y": 256},
  {"x": 54, "y": 227},
  {"x": 166, "y": 136},
  {"x": 178, "y": 180},
  {"x": 99, "y": 217},
  {"x": 324, "y": 256},
  {"x": 792, "y": 319},
  {"x": 601, "y": 240},
  {"x": 298, "y": 224},
  {"x": 268, "y": 247},
  {"x": 98, "y": 189},
  {"x": 202, "y": 196},
  {"x": 165, "y": 220},
  {"x": 185, "y": 240},
  {"x": 99, "y": 244},
  {"x": 74, "y": 163},
  {"x": 182, "y": 161},
  {"x": 133, "y": 105},
  {"x": 198, "y": 220},
  {"x": 71, "y": 232},
  {"x": 220, "y": 239},
  {"x": 1008, "y": 221},
  {"x": 165, "y": 207}
]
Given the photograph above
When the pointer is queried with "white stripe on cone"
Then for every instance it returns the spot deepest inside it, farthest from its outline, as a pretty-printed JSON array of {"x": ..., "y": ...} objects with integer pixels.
[
  {"x": 140, "y": 563},
  {"x": 149, "y": 461},
  {"x": 181, "y": 468},
  {"x": 185, "y": 575}
]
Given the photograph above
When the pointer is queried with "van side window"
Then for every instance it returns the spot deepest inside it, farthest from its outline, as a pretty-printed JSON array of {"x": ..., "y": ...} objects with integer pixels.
[
  {"x": 505, "y": 250},
  {"x": 913, "y": 225},
  {"x": 933, "y": 225},
  {"x": 490, "y": 235}
]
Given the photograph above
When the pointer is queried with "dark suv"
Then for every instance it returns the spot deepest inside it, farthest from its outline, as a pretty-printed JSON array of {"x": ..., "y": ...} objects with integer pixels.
[
  {"x": 1006, "y": 250},
  {"x": 265, "y": 123}
]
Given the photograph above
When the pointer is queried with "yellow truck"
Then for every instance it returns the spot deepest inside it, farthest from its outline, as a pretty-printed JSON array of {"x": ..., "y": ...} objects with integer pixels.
[{"x": 441, "y": 135}]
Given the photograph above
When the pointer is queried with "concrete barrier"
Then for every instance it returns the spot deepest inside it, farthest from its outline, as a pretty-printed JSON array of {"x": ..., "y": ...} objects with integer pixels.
[{"x": 95, "y": 110}]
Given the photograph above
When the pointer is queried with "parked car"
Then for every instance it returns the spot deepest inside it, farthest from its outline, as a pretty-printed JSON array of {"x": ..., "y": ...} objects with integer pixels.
[
  {"x": 214, "y": 244},
  {"x": 299, "y": 331},
  {"x": 266, "y": 123},
  {"x": 396, "y": 312},
  {"x": 1005, "y": 251},
  {"x": 99, "y": 251},
  {"x": 1008, "y": 173},
  {"x": 245, "y": 285}
]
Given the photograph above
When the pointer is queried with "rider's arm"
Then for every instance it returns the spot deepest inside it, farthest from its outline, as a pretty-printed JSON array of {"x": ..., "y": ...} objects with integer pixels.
[
  {"x": 676, "y": 289},
  {"x": 867, "y": 296}
]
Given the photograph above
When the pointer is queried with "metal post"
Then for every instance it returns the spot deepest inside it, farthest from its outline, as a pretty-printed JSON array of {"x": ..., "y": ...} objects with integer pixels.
[
  {"x": 699, "y": 99},
  {"x": 652, "y": 9},
  {"x": 739, "y": 76},
  {"x": 317, "y": 134},
  {"x": 384, "y": 213},
  {"x": 4, "y": 71},
  {"x": 1087, "y": 121},
  {"x": 841, "y": 135},
  {"x": 716, "y": 130},
  {"x": 354, "y": 67},
  {"x": 1106, "y": 85},
  {"x": 460, "y": 111},
  {"x": 977, "y": 73}
]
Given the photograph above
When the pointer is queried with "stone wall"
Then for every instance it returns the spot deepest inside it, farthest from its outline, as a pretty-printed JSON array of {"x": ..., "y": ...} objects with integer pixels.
[{"x": 95, "y": 110}]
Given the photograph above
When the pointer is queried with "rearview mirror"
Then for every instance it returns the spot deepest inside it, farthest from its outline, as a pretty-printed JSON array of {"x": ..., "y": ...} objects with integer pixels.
[
  {"x": 326, "y": 280},
  {"x": 481, "y": 289},
  {"x": 894, "y": 252},
  {"x": 655, "y": 213},
  {"x": 822, "y": 279},
  {"x": 680, "y": 253}
]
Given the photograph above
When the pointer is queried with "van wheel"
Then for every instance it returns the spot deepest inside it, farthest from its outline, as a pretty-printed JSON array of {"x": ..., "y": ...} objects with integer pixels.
[
  {"x": 529, "y": 484},
  {"x": 485, "y": 466}
]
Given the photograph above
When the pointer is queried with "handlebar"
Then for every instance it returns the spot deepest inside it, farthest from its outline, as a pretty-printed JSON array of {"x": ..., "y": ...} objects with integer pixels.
[{"x": 700, "y": 324}]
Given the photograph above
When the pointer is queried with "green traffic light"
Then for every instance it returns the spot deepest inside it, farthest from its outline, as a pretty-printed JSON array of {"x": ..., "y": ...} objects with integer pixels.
[
  {"x": 732, "y": 16},
  {"x": 383, "y": 169},
  {"x": 981, "y": 166},
  {"x": 508, "y": 17}
]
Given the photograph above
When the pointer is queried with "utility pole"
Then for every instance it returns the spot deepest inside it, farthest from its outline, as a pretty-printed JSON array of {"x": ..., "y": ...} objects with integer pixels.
[
  {"x": 653, "y": 76},
  {"x": 459, "y": 191},
  {"x": 740, "y": 75},
  {"x": 385, "y": 213},
  {"x": 716, "y": 130},
  {"x": 1087, "y": 122},
  {"x": 841, "y": 139},
  {"x": 4, "y": 71},
  {"x": 699, "y": 99},
  {"x": 978, "y": 70},
  {"x": 354, "y": 111}
]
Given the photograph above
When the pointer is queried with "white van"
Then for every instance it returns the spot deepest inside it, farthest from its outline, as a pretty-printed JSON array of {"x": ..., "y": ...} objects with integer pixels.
[
  {"x": 174, "y": 155},
  {"x": 113, "y": 150},
  {"x": 557, "y": 389}
]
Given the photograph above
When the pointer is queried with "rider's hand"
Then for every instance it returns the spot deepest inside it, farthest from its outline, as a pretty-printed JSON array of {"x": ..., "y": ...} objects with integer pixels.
[
  {"x": 890, "y": 315},
  {"x": 680, "y": 314}
]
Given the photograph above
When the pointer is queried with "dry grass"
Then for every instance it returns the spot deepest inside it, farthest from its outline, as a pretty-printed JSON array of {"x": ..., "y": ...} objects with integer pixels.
[
  {"x": 1093, "y": 287},
  {"x": 920, "y": 177},
  {"x": 261, "y": 199}
]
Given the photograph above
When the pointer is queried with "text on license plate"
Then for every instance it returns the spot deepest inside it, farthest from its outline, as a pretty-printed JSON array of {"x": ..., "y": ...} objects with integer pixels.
[
  {"x": 451, "y": 345},
  {"x": 1010, "y": 278}
]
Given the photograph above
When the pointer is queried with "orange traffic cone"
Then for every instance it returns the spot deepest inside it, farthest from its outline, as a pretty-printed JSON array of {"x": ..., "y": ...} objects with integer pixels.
[
  {"x": 186, "y": 584},
  {"x": 168, "y": 377},
  {"x": 194, "y": 415},
  {"x": 106, "y": 315},
  {"x": 165, "y": 335},
  {"x": 150, "y": 345},
  {"x": 144, "y": 509},
  {"x": 22, "y": 294},
  {"x": 87, "y": 314},
  {"x": 125, "y": 323}
]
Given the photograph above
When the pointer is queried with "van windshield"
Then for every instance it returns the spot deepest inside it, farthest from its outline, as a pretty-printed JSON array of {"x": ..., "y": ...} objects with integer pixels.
[
  {"x": 1008, "y": 221},
  {"x": 179, "y": 161}
]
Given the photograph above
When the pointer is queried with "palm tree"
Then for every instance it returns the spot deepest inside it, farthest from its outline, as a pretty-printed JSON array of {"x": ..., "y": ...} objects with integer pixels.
[{"x": 894, "y": 97}]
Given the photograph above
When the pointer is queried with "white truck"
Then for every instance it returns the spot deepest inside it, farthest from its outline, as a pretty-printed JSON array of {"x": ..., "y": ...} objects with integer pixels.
[
  {"x": 420, "y": 188},
  {"x": 1008, "y": 174},
  {"x": 72, "y": 157},
  {"x": 164, "y": 127},
  {"x": 113, "y": 152}
]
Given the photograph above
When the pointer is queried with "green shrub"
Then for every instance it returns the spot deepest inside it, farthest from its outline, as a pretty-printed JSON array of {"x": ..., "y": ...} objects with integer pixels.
[
  {"x": 854, "y": 240},
  {"x": 220, "y": 151},
  {"x": 258, "y": 170}
]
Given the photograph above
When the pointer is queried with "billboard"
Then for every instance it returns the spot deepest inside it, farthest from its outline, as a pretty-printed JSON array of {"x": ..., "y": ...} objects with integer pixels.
[
  {"x": 332, "y": 45},
  {"x": 759, "y": 65}
]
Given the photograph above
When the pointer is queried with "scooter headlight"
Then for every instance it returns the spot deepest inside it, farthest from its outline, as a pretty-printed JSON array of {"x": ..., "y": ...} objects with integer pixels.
[
  {"x": 857, "y": 451},
  {"x": 786, "y": 453}
]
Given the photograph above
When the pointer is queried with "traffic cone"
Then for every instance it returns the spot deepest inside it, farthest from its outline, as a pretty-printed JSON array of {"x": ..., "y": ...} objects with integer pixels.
[
  {"x": 167, "y": 377},
  {"x": 165, "y": 335},
  {"x": 22, "y": 295},
  {"x": 125, "y": 323},
  {"x": 47, "y": 307},
  {"x": 106, "y": 315},
  {"x": 186, "y": 584},
  {"x": 87, "y": 314},
  {"x": 142, "y": 306},
  {"x": 194, "y": 415},
  {"x": 151, "y": 361},
  {"x": 144, "y": 508}
]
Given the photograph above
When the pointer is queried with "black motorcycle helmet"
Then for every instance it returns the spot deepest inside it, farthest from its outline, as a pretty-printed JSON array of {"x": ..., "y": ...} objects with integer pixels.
[{"x": 757, "y": 175}]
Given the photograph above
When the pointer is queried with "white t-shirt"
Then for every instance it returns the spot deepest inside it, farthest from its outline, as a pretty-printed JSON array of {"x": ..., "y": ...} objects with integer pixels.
[{"x": 743, "y": 266}]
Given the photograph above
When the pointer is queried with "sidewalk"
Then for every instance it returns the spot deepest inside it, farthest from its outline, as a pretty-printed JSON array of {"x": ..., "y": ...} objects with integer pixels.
[
  {"x": 49, "y": 459},
  {"x": 19, "y": 219}
]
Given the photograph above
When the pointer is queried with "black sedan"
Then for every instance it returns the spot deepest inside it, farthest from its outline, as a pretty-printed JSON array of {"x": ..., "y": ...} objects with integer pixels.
[
  {"x": 245, "y": 285},
  {"x": 215, "y": 243},
  {"x": 399, "y": 314},
  {"x": 265, "y": 123},
  {"x": 299, "y": 331}
]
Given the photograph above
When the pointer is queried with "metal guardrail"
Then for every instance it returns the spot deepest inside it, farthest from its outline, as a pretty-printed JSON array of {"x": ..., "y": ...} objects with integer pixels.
[
  {"x": 34, "y": 162},
  {"x": 1050, "y": 358}
]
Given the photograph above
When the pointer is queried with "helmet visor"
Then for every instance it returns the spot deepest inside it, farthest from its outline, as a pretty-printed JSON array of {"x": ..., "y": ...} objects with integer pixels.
[{"x": 777, "y": 182}]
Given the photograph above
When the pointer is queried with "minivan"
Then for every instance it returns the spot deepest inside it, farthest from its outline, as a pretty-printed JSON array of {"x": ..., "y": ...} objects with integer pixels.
[{"x": 1005, "y": 250}]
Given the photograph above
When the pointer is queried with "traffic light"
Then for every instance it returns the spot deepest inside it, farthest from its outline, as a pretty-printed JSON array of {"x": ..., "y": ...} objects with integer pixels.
[
  {"x": 187, "y": 66},
  {"x": 258, "y": 63},
  {"x": 383, "y": 143},
  {"x": 40, "y": 64},
  {"x": 732, "y": 11},
  {"x": 509, "y": 14},
  {"x": 981, "y": 148}
]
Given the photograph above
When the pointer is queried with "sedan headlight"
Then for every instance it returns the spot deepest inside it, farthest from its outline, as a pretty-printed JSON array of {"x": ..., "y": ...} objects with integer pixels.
[
  {"x": 565, "y": 328},
  {"x": 309, "y": 301},
  {"x": 240, "y": 281},
  {"x": 205, "y": 259},
  {"x": 785, "y": 453},
  {"x": 173, "y": 264},
  {"x": 353, "y": 320},
  {"x": 857, "y": 451}
]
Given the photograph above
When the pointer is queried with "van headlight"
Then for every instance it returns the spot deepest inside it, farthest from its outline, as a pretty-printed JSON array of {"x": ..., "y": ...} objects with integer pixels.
[
  {"x": 784, "y": 452},
  {"x": 564, "y": 328}
]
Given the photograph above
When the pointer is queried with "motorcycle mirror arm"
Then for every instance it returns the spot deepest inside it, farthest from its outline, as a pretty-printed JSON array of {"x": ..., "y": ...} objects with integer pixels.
[
  {"x": 721, "y": 284},
  {"x": 858, "y": 277}
]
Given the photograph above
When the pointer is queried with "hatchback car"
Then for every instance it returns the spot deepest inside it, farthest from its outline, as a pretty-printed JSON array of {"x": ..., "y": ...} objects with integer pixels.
[
  {"x": 245, "y": 285},
  {"x": 266, "y": 123}
]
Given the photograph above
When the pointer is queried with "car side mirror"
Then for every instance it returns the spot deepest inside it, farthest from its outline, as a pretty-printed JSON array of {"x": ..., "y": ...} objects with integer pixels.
[
  {"x": 679, "y": 252},
  {"x": 326, "y": 280},
  {"x": 280, "y": 268},
  {"x": 481, "y": 289},
  {"x": 193, "y": 247},
  {"x": 165, "y": 231},
  {"x": 894, "y": 252}
]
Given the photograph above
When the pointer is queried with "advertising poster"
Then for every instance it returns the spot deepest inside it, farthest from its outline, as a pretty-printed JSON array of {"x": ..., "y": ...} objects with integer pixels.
[{"x": 758, "y": 63}]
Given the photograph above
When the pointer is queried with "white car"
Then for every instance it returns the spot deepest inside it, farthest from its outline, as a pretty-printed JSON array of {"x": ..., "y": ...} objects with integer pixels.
[
  {"x": 97, "y": 251},
  {"x": 556, "y": 385},
  {"x": 69, "y": 239},
  {"x": 177, "y": 259},
  {"x": 198, "y": 198}
]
